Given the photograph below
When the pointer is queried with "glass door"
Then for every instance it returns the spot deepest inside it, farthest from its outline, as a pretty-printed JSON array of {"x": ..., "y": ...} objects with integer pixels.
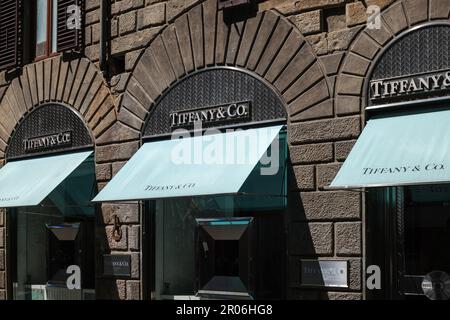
[
  {"x": 426, "y": 255},
  {"x": 52, "y": 244},
  {"x": 408, "y": 236}
]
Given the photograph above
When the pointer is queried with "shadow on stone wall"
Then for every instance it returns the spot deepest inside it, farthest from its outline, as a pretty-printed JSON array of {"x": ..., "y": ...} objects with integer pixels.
[{"x": 305, "y": 240}]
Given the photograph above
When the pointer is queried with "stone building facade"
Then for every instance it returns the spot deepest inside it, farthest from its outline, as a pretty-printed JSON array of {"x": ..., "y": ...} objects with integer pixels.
[{"x": 316, "y": 55}]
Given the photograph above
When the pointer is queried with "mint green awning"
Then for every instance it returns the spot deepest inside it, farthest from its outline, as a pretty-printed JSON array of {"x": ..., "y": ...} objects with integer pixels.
[
  {"x": 193, "y": 166},
  {"x": 402, "y": 149},
  {"x": 27, "y": 182}
]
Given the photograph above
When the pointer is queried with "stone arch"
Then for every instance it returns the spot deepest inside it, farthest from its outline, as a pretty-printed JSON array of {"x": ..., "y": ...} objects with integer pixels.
[
  {"x": 351, "y": 93},
  {"x": 76, "y": 83},
  {"x": 267, "y": 44}
]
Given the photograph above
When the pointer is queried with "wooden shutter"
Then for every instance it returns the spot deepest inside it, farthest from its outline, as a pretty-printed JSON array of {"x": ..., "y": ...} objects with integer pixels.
[
  {"x": 69, "y": 39},
  {"x": 10, "y": 33}
]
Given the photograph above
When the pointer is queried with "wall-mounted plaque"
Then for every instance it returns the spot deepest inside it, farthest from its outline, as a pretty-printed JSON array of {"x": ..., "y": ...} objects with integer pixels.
[
  {"x": 117, "y": 265},
  {"x": 324, "y": 273}
]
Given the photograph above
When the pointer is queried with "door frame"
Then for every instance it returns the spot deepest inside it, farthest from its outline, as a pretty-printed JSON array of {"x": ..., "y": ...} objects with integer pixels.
[{"x": 385, "y": 240}]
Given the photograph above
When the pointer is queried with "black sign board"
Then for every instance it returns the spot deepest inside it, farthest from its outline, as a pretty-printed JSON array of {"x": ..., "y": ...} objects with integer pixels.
[
  {"x": 412, "y": 68},
  {"x": 117, "y": 265},
  {"x": 216, "y": 114},
  {"x": 422, "y": 84},
  {"x": 215, "y": 98},
  {"x": 48, "y": 128},
  {"x": 60, "y": 139}
]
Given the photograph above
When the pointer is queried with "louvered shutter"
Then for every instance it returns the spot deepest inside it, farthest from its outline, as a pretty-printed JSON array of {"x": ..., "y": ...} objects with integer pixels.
[
  {"x": 10, "y": 33},
  {"x": 69, "y": 35}
]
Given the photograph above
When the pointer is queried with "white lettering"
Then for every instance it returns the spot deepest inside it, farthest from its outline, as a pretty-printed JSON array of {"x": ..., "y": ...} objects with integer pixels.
[
  {"x": 74, "y": 280},
  {"x": 374, "y": 280},
  {"x": 214, "y": 114},
  {"x": 391, "y": 88}
]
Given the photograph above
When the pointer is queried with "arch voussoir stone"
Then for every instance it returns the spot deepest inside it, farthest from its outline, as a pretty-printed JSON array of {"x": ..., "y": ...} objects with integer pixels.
[
  {"x": 267, "y": 44},
  {"x": 366, "y": 48},
  {"x": 76, "y": 83}
]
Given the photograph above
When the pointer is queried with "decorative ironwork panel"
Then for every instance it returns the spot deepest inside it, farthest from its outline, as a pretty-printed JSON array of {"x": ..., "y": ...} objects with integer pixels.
[
  {"x": 211, "y": 89},
  {"x": 414, "y": 67},
  {"x": 421, "y": 51},
  {"x": 48, "y": 128}
]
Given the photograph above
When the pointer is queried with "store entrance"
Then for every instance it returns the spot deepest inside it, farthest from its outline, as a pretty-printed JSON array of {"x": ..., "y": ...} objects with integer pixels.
[
  {"x": 51, "y": 244},
  {"x": 426, "y": 241},
  {"x": 408, "y": 234}
]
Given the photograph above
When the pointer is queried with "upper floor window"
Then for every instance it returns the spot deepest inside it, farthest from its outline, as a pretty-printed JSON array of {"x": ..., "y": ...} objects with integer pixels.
[
  {"x": 46, "y": 27},
  {"x": 35, "y": 29}
]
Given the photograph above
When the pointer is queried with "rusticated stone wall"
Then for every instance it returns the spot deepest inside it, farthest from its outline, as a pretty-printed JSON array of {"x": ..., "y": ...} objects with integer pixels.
[
  {"x": 76, "y": 83},
  {"x": 315, "y": 53}
]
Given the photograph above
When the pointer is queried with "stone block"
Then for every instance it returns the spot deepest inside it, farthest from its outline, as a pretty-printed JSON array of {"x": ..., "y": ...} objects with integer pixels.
[
  {"x": 332, "y": 62},
  {"x": 112, "y": 244},
  {"x": 311, "y": 238},
  {"x": 395, "y": 18},
  {"x": 348, "y": 238},
  {"x": 416, "y": 10},
  {"x": 103, "y": 171},
  {"x": 133, "y": 40},
  {"x": 439, "y": 9},
  {"x": 319, "y": 43},
  {"x": 328, "y": 205},
  {"x": 309, "y": 22},
  {"x": 127, "y": 213},
  {"x": 122, "y": 151},
  {"x": 176, "y": 7},
  {"x": 133, "y": 290},
  {"x": 311, "y": 153},
  {"x": 342, "y": 149},
  {"x": 304, "y": 178},
  {"x": 127, "y": 22},
  {"x": 349, "y": 85},
  {"x": 356, "y": 13},
  {"x": 152, "y": 15},
  {"x": 348, "y": 105},
  {"x": 340, "y": 40},
  {"x": 325, "y": 130},
  {"x": 326, "y": 173},
  {"x": 356, "y": 65},
  {"x": 133, "y": 237}
]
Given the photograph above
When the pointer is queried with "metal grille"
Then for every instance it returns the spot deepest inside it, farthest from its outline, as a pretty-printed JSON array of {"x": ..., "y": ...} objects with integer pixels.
[
  {"x": 10, "y": 33},
  {"x": 424, "y": 50},
  {"x": 46, "y": 120},
  {"x": 212, "y": 87},
  {"x": 69, "y": 38}
]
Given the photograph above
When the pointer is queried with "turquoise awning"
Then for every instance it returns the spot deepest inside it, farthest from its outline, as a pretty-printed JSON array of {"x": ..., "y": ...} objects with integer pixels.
[
  {"x": 402, "y": 149},
  {"x": 27, "y": 182},
  {"x": 200, "y": 165}
]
